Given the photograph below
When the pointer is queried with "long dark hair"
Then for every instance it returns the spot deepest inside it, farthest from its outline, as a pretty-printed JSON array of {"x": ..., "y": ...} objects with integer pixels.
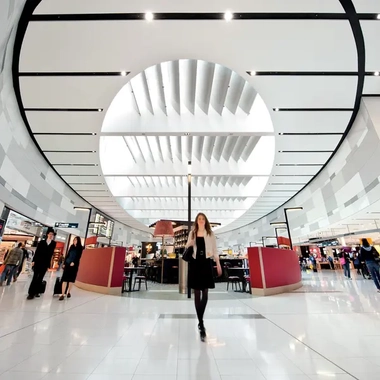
[
  {"x": 207, "y": 225},
  {"x": 365, "y": 243},
  {"x": 79, "y": 243}
]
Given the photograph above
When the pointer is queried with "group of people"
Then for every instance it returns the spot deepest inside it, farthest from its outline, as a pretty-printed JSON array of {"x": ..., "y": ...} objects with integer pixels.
[
  {"x": 14, "y": 261},
  {"x": 41, "y": 263},
  {"x": 13, "y": 264}
]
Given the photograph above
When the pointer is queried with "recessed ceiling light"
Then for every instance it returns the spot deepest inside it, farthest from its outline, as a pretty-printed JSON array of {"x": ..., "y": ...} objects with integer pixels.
[
  {"x": 94, "y": 134},
  {"x": 123, "y": 73},
  {"x": 376, "y": 73},
  {"x": 94, "y": 151},
  {"x": 187, "y": 133},
  {"x": 149, "y": 16},
  {"x": 228, "y": 16},
  {"x": 100, "y": 109},
  {"x": 252, "y": 73},
  {"x": 378, "y": 16},
  {"x": 276, "y": 109}
]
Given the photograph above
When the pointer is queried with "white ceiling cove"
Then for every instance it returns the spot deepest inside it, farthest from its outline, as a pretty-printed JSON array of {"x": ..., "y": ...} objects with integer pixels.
[{"x": 119, "y": 105}]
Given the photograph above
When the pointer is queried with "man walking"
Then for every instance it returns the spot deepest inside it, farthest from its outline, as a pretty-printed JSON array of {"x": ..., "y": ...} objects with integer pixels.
[
  {"x": 12, "y": 262},
  {"x": 41, "y": 263}
]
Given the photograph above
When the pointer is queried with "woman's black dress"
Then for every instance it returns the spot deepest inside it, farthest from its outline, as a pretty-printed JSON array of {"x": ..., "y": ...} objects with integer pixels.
[
  {"x": 201, "y": 268},
  {"x": 70, "y": 272}
]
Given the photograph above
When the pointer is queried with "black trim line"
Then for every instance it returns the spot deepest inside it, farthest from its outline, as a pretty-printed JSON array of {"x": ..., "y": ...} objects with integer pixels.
[
  {"x": 64, "y": 109},
  {"x": 311, "y": 134},
  {"x": 64, "y": 134},
  {"x": 305, "y": 151},
  {"x": 189, "y": 16},
  {"x": 73, "y": 74},
  {"x": 69, "y": 151},
  {"x": 54, "y": 164},
  {"x": 371, "y": 95},
  {"x": 299, "y": 164},
  {"x": 310, "y": 73},
  {"x": 304, "y": 73},
  {"x": 278, "y": 109}
]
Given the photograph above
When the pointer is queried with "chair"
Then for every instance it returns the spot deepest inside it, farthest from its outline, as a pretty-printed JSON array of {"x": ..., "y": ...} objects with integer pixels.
[
  {"x": 247, "y": 283},
  {"x": 125, "y": 283},
  {"x": 141, "y": 277},
  {"x": 234, "y": 280}
]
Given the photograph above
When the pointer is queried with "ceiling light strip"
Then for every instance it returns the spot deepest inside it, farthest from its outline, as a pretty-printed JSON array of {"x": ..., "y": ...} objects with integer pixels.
[
  {"x": 305, "y": 151},
  {"x": 312, "y": 109},
  {"x": 304, "y": 73},
  {"x": 310, "y": 134},
  {"x": 65, "y": 134},
  {"x": 73, "y": 73},
  {"x": 69, "y": 151},
  {"x": 64, "y": 109},
  {"x": 225, "y": 16}
]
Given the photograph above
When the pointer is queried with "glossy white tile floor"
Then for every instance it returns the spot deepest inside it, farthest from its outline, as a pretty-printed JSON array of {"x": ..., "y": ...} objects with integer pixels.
[{"x": 328, "y": 330}]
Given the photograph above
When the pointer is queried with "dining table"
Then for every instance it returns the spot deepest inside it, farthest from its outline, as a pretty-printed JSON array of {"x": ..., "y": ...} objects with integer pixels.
[{"x": 130, "y": 271}]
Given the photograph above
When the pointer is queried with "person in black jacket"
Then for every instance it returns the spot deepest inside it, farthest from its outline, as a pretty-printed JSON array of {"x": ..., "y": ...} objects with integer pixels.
[
  {"x": 41, "y": 263},
  {"x": 369, "y": 255},
  {"x": 70, "y": 267}
]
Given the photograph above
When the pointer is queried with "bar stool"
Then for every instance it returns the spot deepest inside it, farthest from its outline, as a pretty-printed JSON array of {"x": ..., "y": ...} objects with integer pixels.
[
  {"x": 247, "y": 283},
  {"x": 234, "y": 280},
  {"x": 141, "y": 277},
  {"x": 125, "y": 283}
]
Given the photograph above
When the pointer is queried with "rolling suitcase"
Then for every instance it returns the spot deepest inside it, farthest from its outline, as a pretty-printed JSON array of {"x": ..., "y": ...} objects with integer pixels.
[
  {"x": 43, "y": 287},
  {"x": 57, "y": 286}
]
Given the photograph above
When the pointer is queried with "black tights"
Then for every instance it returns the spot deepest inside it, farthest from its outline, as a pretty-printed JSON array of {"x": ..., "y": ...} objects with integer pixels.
[{"x": 200, "y": 303}]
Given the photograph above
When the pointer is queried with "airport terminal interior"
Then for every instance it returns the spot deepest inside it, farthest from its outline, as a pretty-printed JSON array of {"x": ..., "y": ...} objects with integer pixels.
[{"x": 190, "y": 190}]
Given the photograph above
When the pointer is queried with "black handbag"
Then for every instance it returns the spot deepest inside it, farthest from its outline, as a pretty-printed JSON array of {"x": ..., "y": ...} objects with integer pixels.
[{"x": 188, "y": 254}]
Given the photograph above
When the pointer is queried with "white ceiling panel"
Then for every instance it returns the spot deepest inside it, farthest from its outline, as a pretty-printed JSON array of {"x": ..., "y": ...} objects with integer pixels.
[
  {"x": 311, "y": 122},
  {"x": 70, "y": 92},
  {"x": 296, "y": 170},
  {"x": 307, "y": 142},
  {"x": 99, "y": 6},
  {"x": 68, "y": 122},
  {"x": 82, "y": 178},
  {"x": 372, "y": 84},
  {"x": 69, "y": 142},
  {"x": 371, "y": 32},
  {"x": 52, "y": 46},
  {"x": 306, "y": 158},
  {"x": 367, "y": 6},
  {"x": 306, "y": 92},
  {"x": 78, "y": 170},
  {"x": 73, "y": 158}
]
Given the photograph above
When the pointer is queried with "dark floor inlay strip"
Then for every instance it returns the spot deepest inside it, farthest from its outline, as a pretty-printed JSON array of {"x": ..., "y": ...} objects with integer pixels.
[{"x": 221, "y": 316}]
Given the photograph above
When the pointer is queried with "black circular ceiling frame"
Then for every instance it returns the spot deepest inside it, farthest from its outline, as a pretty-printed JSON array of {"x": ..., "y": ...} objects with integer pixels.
[{"x": 350, "y": 15}]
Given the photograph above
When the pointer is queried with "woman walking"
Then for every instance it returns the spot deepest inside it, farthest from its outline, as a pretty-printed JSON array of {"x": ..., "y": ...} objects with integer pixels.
[
  {"x": 70, "y": 267},
  {"x": 369, "y": 254},
  {"x": 201, "y": 277}
]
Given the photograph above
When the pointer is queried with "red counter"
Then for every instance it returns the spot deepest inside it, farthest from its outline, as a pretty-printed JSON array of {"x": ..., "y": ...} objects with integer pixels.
[
  {"x": 101, "y": 270},
  {"x": 273, "y": 271}
]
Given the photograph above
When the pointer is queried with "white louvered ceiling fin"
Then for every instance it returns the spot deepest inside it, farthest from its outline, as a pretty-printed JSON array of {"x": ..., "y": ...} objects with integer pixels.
[
  {"x": 156, "y": 89},
  {"x": 174, "y": 78},
  {"x": 239, "y": 147},
  {"x": 251, "y": 144},
  {"x": 209, "y": 147},
  {"x": 234, "y": 92},
  {"x": 205, "y": 76},
  {"x": 247, "y": 98},
  {"x": 188, "y": 80},
  {"x": 229, "y": 147},
  {"x": 220, "y": 143},
  {"x": 222, "y": 77},
  {"x": 199, "y": 142}
]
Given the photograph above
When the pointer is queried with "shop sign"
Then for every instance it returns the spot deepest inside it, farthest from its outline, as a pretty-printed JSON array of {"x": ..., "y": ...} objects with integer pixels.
[{"x": 66, "y": 225}]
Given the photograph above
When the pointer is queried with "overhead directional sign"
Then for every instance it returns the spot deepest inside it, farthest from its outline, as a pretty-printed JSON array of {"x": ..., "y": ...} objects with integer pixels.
[{"x": 66, "y": 225}]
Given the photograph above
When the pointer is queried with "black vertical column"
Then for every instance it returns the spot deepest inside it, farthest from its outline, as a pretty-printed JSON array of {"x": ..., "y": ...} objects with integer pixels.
[{"x": 188, "y": 221}]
